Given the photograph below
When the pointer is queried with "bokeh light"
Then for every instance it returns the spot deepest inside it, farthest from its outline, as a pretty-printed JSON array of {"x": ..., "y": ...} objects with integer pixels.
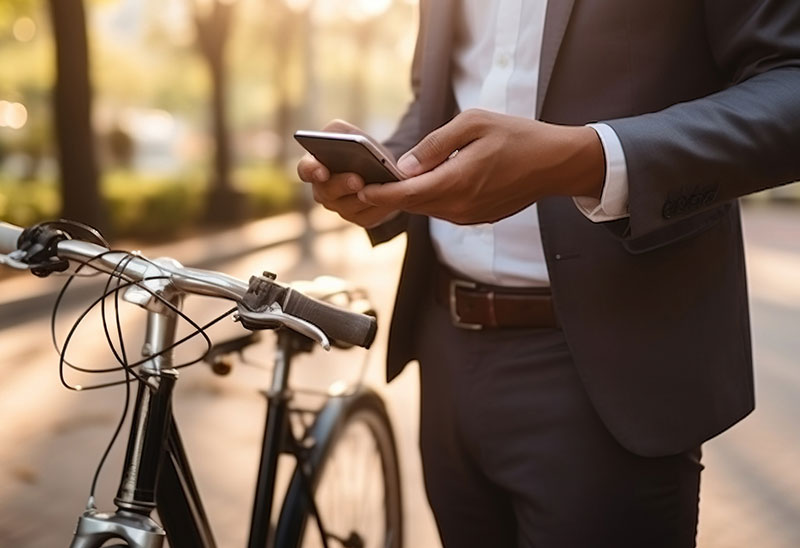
[
  {"x": 13, "y": 115},
  {"x": 24, "y": 29}
]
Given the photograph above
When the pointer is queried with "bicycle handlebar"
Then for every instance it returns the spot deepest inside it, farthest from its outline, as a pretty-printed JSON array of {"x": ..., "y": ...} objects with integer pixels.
[
  {"x": 9, "y": 235},
  {"x": 337, "y": 323}
]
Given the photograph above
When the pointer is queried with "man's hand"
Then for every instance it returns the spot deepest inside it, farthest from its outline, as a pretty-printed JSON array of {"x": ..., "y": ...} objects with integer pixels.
[
  {"x": 484, "y": 166},
  {"x": 338, "y": 192}
]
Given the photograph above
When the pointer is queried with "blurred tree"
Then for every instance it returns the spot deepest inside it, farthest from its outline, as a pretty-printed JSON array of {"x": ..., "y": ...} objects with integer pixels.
[
  {"x": 22, "y": 79},
  {"x": 213, "y": 22},
  {"x": 291, "y": 39},
  {"x": 72, "y": 100},
  {"x": 283, "y": 111},
  {"x": 120, "y": 146},
  {"x": 34, "y": 144},
  {"x": 359, "y": 84}
]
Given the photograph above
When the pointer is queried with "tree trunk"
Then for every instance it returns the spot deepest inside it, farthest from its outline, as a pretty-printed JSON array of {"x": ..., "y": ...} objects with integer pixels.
[
  {"x": 72, "y": 111},
  {"x": 222, "y": 150},
  {"x": 283, "y": 115},
  {"x": 213, "y": 29},
  {"x": 359, "y": 92}
]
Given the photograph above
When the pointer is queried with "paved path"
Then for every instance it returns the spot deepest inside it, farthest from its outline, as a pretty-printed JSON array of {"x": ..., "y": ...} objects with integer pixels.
[
  {"x": 50, "y": 438},
  {"x": 751, "y": 487}
]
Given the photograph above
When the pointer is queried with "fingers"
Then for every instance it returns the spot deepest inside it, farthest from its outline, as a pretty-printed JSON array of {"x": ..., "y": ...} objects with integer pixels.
[
  {"x": 411, "y": 194},
  {"x": 337, "y": 186},
  {"x": 354, "y": 210},
  {"x": 311, "y": 170},
  {"x": 337, "y": 192},
  {"x": 341, "y": 126},
  {"x": 326, "y": 186},
  {"x": 440, "y": 144},
  {"x": 404, "y": 195},
  {"x": 374, "y": 216}
]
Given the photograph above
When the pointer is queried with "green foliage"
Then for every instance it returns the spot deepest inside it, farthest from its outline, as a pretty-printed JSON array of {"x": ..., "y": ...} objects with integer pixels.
[
  {"x": 26, "y": 202},
  {"x": 287, "y": 70},
  {"x": 11, "y": 9},
  {"x": 151, "y": 207},
  {"x": 268, "y": 189}
]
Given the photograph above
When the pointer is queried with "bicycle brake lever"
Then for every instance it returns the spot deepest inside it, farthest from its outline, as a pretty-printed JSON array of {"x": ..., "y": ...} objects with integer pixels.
[
  {"x": 274, "y": 316},
  {"x": 13, "y": 260}
]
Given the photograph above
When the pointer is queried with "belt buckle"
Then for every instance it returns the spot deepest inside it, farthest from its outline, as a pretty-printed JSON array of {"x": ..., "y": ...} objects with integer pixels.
[{"x": 454, "y": 317}]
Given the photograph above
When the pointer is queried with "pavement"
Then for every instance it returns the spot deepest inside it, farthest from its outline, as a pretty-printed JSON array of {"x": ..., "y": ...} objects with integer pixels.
[{"x": 50, "y": 438}]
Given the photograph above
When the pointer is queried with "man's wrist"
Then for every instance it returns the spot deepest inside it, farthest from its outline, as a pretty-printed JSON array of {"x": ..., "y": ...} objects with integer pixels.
[
  {"x": 588, "y": 163},
  {"x": 613, "y": 203}
]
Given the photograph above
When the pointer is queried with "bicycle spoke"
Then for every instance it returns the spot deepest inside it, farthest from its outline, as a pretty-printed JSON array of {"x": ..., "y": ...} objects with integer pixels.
[{"x": 351, "y": 492}]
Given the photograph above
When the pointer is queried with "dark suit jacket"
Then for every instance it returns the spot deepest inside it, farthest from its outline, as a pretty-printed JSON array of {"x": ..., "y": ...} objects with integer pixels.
[{"x": 705, "y": 98}]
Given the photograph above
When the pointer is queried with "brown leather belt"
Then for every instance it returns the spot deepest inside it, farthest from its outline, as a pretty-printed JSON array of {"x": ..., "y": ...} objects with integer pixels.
[{"x": 474, "y": 305}]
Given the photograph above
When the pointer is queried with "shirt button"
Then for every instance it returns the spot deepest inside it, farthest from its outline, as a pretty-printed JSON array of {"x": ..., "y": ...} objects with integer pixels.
[{"x": 502, "y": 60}]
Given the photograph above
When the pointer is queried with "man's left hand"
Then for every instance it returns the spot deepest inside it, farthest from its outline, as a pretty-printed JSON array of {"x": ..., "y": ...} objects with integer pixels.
[{"x": 483, "y": 167}]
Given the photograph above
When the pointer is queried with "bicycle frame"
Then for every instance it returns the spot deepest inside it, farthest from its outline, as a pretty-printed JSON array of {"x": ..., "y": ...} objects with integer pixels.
[
  {"x": 156, "y": 470},
  {"x": 156, "y": 473}
]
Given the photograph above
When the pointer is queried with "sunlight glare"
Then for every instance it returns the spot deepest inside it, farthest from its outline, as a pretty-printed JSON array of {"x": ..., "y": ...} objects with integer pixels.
[
  {"x": 150, "y": 125},
  {"x": 361, "y": 10},
  {"x": 298, "y": 6}
]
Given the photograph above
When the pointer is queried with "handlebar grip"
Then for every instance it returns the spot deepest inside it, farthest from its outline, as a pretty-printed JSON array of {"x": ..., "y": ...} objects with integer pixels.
[
  {"x": 337, "y": 323},
  {"x": 9, "y": 235}
]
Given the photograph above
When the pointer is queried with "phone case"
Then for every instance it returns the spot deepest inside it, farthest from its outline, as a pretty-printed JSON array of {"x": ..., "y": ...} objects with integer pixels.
[{"x": 344, "y": 153}]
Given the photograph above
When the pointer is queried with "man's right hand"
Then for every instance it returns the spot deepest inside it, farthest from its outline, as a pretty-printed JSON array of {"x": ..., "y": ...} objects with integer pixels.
[{"x": 337, "y": 192}]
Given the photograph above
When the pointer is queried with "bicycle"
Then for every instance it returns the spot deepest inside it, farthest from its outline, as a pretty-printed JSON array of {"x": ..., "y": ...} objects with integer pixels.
[{"x": 156, "y": 473}]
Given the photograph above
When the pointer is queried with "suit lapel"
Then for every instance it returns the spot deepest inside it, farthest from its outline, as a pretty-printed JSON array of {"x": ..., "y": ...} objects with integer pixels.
[
  {"x": 556, "y": 21},
  {"x": 438, "y": 20}
]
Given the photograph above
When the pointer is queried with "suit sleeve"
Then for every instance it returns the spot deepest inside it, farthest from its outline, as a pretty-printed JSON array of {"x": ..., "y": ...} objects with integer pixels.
[
  {"x": 695, "y": 156},
  {"x": 407, "y": 134}
]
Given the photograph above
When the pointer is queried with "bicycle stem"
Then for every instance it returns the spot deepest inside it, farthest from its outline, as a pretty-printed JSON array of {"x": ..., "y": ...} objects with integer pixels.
[
  {"x": 152, "y": 416},
  {"x": 161, "y": 328},
  {"x": 152, "y": 410}
]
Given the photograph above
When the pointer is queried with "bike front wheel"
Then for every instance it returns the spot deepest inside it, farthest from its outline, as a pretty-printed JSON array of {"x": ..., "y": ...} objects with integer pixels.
[{"x": 355, "y": 479}]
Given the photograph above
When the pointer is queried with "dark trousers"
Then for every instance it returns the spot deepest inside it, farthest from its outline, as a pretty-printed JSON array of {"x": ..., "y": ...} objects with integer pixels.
[{"x": 514, "y": 454}]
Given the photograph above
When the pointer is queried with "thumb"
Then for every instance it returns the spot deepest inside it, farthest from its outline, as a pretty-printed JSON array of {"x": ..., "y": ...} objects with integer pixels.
[
  {"x": 438, "y": 146},
  {"x": 342, "y": 126}
]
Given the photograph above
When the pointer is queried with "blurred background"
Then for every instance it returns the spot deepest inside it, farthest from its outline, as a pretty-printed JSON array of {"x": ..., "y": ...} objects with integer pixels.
[
  {"x": 138, "y": 115},
  {"x": 167, "y": 124}
]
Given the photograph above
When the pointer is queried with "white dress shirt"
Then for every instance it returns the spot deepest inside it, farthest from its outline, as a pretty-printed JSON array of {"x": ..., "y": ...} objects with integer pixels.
[{"x": 496, "y": 67}]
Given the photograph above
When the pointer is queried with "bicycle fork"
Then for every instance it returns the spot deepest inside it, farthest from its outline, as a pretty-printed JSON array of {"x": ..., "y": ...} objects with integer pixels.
[{"x": 151, "y": 420}]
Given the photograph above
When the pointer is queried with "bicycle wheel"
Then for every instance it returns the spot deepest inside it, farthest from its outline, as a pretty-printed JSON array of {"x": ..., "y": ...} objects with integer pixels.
[{"x": 356, "y": 484}]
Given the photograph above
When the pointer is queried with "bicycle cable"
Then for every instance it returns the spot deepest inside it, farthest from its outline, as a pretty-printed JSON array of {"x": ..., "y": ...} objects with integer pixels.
[
  {"x": 198, "y": 330},
  {"x": 120, "y": 283},
  {"x": 90, "y": 504}
]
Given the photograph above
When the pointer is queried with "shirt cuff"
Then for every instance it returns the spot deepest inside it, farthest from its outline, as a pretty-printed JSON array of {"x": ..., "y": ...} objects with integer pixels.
[{"x": 613, "y": 202}]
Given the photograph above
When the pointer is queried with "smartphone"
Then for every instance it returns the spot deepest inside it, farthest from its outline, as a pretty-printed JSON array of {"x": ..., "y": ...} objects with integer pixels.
[{"x": 350, "y": 153}]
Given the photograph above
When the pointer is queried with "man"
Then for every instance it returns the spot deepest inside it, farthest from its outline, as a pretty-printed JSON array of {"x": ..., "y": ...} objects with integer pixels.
[{"x": 575, "y": 294}]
